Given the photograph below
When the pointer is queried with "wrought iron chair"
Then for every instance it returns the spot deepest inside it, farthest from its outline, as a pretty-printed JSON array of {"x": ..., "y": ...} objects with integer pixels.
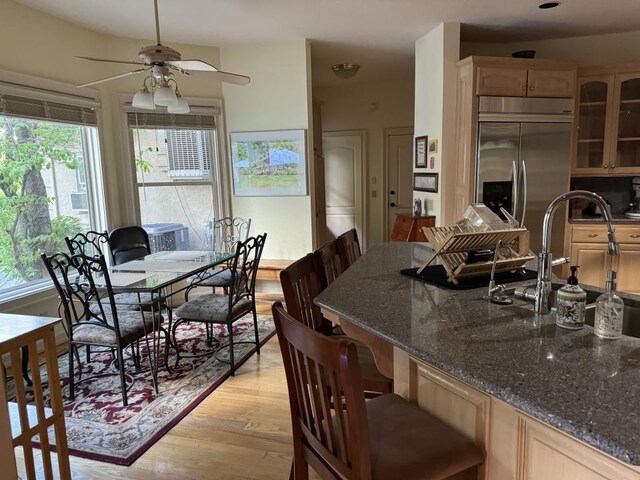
[
  {"x": 301, "y": 283},
  {"x": 95, "y": 321},
  {"x": 226, "y": 233},
  {"x": 385, "y": 438},
  {"x": 214, "y": 309},
  {"x": 128, "y": 243},
  {"x": 349, "y": 248}
]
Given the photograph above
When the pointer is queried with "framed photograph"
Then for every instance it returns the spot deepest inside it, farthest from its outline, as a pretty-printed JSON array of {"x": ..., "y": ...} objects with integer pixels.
[
  {"x": 433, "y": 146},
  {"x": 421, "y": 151},
  {"x": 269, "y": 164},
  {"x": 425, "y": 182}
]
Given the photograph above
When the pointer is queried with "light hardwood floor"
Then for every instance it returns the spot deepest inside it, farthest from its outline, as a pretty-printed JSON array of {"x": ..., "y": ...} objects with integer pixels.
[{"x": 241, "y": 431}]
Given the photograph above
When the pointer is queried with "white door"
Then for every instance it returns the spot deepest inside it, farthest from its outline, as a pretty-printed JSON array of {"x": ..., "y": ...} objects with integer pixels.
[
  {"x": 399, "y": 177},
  {"x": 343, "y": 153}
]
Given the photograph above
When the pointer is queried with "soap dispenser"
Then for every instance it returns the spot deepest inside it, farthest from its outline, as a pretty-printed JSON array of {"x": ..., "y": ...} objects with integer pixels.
[
  {"x": 572, "y": 301},
  {"x": 609, "y": 311}
]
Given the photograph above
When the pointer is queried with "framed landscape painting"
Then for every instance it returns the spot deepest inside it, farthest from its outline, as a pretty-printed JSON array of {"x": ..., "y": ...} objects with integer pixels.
[{"x": 270, "y": 163}]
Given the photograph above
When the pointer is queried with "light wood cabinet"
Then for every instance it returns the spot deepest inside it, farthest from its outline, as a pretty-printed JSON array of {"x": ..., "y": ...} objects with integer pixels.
[
  {"x": 516, "y": 445},
  {"x": 508, "y": 81},
  {"x": 607, "y": 126},
  {"x": 588, "y": 248}
]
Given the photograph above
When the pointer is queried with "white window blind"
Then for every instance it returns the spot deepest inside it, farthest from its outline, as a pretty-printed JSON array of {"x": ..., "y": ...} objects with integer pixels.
[
  {"x": 189, "y": 153},
  {"x": 38, "y": 109}
]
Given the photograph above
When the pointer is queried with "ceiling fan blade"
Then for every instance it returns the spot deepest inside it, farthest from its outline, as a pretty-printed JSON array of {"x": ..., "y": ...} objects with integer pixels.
[
  {"x": 113, "y": 77},
  {"x": 195, "y": 64},
  {"x": 234, "y": 78},
  {"x": 94, "y": 59}
]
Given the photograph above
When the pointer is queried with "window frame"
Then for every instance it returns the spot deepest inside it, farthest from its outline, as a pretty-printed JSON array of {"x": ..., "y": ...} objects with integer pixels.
[
  {"x": 23, "y": 85},
  {"x": 219, "y": 174}
]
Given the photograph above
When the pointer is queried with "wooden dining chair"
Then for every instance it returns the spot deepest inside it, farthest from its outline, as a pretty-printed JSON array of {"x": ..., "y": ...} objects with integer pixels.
[
  {"x": 349, "y": 248},
  {"x": 385, "y": 438},
  {"x": 301, "y": 283},
  {"x": 328, "y": 262}
]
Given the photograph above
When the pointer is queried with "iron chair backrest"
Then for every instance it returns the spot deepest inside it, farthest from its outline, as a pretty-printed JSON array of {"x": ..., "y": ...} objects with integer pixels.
[
  {"x": 74, "y": 278},
  {"x": 336, "y": 441},
  {"x": 349, "y": 248},
  {"x": 301, "y": 283},
  {"x": 328, "y": 262},
  {"x": 228, "y": 231},
  {"x": 129, "y": 243},
  {"x": 91, "y": 243},
  {"x": 244, "y": 269}
]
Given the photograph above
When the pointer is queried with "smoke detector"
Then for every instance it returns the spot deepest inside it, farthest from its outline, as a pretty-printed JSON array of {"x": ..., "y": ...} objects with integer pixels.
[{"x": 345, "y": 70}]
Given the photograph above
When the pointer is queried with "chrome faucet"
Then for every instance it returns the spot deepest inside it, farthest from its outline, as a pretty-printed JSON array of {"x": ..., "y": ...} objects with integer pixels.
[{"x": 545, "y": 262}]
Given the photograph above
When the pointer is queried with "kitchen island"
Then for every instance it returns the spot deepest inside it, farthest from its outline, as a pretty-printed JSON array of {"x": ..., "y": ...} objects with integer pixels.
[{"x": 544, "y": 403}]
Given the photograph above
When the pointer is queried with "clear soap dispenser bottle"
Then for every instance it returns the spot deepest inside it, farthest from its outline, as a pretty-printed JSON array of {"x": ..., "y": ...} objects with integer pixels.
[
  {"x": 572, "y": 302},
  {"x": 609, "y": 311}
]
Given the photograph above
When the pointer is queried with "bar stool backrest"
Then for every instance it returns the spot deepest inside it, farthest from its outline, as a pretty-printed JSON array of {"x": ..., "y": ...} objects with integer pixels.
[
  {"x": 328, "y": 262},
  {"x": 349, "y": 248}
]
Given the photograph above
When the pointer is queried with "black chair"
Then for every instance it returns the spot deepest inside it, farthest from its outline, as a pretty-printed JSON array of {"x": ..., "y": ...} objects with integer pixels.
[
  {"x": 213, "y": 308},
  {"x": 128, "y": 243},
  {"x": 225, "y": 234},
  {"x": 92, "y": 320}
]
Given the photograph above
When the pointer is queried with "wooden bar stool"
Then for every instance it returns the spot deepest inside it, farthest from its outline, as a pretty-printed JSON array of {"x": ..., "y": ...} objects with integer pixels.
[
  {"x": 386, "y": 438},
  {"x": 301, "y": 283},
  {"x": 349, "y": 248},
  {"x": 328, "y": 262}
]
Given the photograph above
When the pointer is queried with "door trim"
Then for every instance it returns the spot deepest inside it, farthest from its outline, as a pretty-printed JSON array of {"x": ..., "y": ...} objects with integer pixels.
[
  {"x": 386, "y": 133},
  {"x": 364, "y": 138}
]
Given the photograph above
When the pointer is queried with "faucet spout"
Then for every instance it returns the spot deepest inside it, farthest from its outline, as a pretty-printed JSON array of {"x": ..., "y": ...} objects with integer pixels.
[{"x": 545, "y": 260}]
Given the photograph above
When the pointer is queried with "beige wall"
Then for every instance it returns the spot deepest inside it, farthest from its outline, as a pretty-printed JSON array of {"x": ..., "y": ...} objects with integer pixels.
[
  {"x": 435, "y": 96},
  {"x": 593, "y": 49},
  {"x": 372, "y": 107},
  {"x": 276, "y": 99}
]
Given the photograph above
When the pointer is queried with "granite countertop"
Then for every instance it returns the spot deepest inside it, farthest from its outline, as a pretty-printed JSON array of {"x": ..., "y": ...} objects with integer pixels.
[{"x": 572, "y": 380}]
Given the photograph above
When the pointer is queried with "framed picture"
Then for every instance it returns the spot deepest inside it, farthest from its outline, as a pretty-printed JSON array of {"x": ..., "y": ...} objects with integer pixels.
[
  {"x": 433, "y": 146},
  {"x": 421, "y": 151},
  {"x": 425, "y": 182},
  {"x": 270, "y": 163}
]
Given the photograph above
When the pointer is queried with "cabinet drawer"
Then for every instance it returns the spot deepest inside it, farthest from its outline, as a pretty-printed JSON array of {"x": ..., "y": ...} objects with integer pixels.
[
  {"x": 628, "y": 235},
  {"x": 589, "y": 234}
]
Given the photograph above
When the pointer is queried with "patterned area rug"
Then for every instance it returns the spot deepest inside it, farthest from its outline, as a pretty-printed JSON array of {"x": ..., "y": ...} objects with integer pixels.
[{"x": 100, "y": 428}]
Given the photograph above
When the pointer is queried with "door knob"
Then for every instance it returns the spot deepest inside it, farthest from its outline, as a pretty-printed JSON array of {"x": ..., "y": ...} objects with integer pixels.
[
  {"x": 392, "y": 204},
  {"x": 392, "y": 192}
]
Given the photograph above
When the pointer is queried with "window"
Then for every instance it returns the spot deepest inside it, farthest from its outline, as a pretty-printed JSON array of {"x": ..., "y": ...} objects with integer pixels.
[
  {"x": 175, "y": 161},
  {"x": 47, "y": 151}
]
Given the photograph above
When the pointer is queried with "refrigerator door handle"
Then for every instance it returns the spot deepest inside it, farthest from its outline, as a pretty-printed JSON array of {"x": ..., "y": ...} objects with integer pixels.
[
  {"x": 524, "y": 192},
  {"x": 514, "y": 189}
]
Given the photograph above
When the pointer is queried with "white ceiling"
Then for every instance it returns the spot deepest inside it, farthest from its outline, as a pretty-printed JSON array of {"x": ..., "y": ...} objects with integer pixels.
[{"x": 378, "y": 34}]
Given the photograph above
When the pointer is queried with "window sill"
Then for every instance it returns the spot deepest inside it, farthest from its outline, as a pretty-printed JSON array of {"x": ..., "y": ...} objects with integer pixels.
[{"x": 33, "y": 293}]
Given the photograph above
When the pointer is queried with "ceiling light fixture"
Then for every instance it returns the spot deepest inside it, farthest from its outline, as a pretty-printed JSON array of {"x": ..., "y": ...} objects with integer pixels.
[
  {"x": 345, "y": 70},
  {"x": 162, "y": 91},
  {"x": 548, "y": 5}
]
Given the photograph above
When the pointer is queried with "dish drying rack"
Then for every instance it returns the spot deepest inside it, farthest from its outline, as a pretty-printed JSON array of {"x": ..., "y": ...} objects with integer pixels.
[{"x": 453, "y": 244}]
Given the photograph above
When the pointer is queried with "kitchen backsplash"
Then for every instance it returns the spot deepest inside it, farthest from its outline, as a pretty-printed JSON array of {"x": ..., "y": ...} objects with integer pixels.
[{"x": 617, "y": 190}]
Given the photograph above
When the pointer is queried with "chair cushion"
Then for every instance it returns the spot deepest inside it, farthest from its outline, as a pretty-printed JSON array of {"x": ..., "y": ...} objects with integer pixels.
[
  {"x": 212, "y": 308},
  {"x": 409, "y": 443},
  {"x": 220, "y": 279},
  {"x": 131, "y": 324}
]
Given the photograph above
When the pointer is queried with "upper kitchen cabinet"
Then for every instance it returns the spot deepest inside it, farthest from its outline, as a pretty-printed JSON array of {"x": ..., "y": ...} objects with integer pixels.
[
  {"x": 607, "y": 127},
  {"x": 512, "y": 81}
]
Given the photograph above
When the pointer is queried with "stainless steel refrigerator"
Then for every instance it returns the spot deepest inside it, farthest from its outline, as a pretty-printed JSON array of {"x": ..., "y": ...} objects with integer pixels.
[{"x": 523, "y": 159}]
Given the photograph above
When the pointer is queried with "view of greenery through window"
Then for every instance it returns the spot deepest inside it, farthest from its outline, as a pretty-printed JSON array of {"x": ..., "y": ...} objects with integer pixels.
[{"x": 43, "y": 194}]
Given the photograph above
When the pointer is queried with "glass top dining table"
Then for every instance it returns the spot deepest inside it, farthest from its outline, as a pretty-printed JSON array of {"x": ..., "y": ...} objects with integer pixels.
[
  {"x": 159, "y": 274},
  {"x": 161, "y": 270}
]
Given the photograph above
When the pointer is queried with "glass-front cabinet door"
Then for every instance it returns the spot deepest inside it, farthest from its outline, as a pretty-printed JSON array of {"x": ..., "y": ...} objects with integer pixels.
[
  {"x": 625, "y": 158},
  {"x": 593, "y": 142}
]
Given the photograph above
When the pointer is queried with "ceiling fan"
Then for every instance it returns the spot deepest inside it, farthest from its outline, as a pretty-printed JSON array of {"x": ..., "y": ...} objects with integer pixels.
[{"x": 161, "y": 61}]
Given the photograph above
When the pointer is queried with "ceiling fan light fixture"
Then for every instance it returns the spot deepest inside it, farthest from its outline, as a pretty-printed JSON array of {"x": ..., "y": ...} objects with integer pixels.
[
  {"x": 181, "y": 107},
  {"x": 143, "y": 99},
  {"x": 164, "y": 96},
  {"x": 345, "y": 70}
]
